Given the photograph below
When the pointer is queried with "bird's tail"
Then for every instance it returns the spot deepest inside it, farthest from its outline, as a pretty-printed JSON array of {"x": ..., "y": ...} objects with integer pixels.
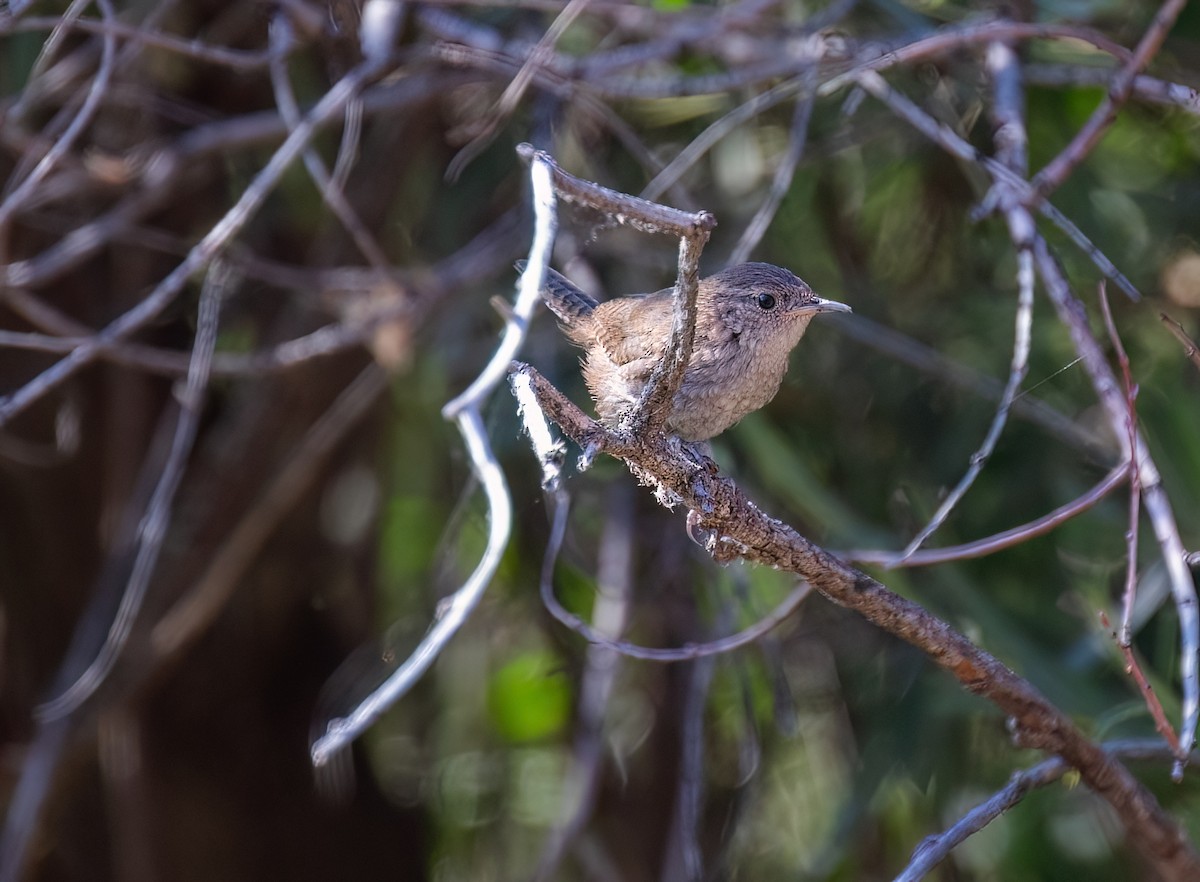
[{"x": 564, "y": 299}]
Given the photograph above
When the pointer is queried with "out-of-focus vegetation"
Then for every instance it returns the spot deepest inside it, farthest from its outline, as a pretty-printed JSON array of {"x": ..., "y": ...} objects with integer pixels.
[{"x": 829, "y": 750}]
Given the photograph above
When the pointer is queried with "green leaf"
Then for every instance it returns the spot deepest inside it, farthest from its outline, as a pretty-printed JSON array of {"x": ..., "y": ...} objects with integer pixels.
[{"x": 529, "y": 698}]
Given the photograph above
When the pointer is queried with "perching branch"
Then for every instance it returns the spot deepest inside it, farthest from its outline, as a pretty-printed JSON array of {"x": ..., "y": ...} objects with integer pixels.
[
  {"x": 740, "y": 529},
  {"x": 692, "y": 229}
]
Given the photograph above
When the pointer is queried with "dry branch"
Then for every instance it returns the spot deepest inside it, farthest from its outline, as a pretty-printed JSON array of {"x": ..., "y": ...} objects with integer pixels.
[{"x": 740, "y": 529}]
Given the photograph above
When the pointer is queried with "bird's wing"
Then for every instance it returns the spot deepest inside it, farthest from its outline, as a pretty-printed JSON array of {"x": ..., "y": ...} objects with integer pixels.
[{"x": 625, "y": 340}]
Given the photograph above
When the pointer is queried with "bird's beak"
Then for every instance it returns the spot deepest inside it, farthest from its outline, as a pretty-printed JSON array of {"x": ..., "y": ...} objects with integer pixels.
[{"x": 820, "y": 304}]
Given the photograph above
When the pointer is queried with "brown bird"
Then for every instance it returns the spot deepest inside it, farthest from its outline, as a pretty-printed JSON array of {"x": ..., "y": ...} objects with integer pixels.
[{"x": 748, "y": 319}]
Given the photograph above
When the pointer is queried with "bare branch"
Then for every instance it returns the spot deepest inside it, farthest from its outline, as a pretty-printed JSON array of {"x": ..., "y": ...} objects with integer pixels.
[
  {"x": 999, "y": 541},
  {"x": 741, "y": 529},
  {"x": 1189, "y": 345},
  {"x": 641, "y": 214},
  {"x": 1124, "y": 636},
  {"x": 784, "y": 171},
  {"x": 1058, "y": 169},
  {"x": 1148, "y": 89},
  {"x": 453, "y": 612},
  {"x": 14, "y": 199},
  {"x": 1158, "y": 508},
  {"x": 332, "y": 103},
  {"x": 937, "y": 848},
  {"x": 153, "y": 528},
  {"x": 465, "y": 410}
]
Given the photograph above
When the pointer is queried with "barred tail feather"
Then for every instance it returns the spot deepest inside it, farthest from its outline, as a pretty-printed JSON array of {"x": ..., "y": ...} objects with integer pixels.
[{"x": 564, "y": 299}]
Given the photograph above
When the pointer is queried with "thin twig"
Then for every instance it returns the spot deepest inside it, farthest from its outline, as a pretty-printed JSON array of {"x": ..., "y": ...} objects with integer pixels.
[
  {"x": 16, "y": 198},
  {"x": 1191, "y": 350},
  {"x": 1148, "y": 89},
  {"x": 465, "y": 410},
  {"x": 1124, "y": 635},
  {"x": 1154, "y": 498},
  {"x": 282, "y": 40},
  {"x": 1010, "y": 140},
  {"x": 1153, "y": 705},
  {"x": 935, "y": 849},
  {"x": 928, "y": 360},
  {"x": 1018, "y": 368},
  {"x": 998, "y": 541},
  {"x": 784, "y": 172},
  {"x": 153, "y": 529},
  {"x": 1013, "y": 184},
  {"x": 201, "y": 254},
  {"x": 1060, "y": 167},
  {"x": 689, "y": 652},
  {"x": 222, "y": 56},
  {"x": 955, "y": 39}
]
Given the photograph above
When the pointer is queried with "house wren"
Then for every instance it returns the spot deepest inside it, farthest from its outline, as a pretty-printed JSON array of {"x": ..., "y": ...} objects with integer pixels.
[{"x": 748, "y": 319}]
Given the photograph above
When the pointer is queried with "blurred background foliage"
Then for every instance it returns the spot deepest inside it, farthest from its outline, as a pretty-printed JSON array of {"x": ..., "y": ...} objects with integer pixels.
[{"x": 826, "y": 751}]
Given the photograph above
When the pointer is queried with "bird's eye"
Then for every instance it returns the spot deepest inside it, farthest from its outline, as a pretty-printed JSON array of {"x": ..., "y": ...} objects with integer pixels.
[{"x": 766, "y": 301}]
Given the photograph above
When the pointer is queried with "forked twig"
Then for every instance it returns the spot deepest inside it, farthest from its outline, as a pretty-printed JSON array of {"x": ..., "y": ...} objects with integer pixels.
[
  {"x": 1018, "y": 368},
  {"x": 692, "y": 230},
  {"x": 935, "y": 849},
  {"x": 1059, "y": 168},
  {"x": 465, "y": 410},
  {"x": 1072, "y": 314},
  {"x": 1191, "y": 350},
  {"x": 331, "y": 104}
]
